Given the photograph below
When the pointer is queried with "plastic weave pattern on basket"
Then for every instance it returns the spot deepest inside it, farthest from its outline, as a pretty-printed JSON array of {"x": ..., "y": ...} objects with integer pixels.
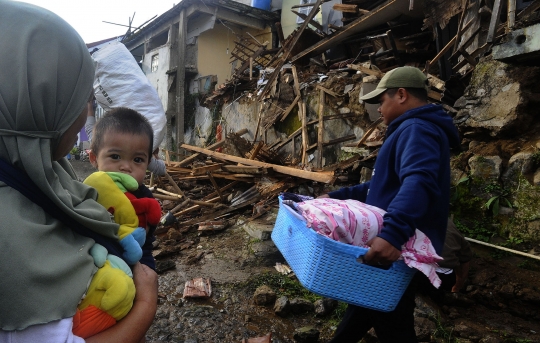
[{"x": 330, "y": 268}]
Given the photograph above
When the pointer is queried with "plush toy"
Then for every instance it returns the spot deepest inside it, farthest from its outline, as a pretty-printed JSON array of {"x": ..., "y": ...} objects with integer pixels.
[
  {"x": 109, "y": 297},
  {"x": 112, "y": 190},
  {"x": 148, "y": 210}
]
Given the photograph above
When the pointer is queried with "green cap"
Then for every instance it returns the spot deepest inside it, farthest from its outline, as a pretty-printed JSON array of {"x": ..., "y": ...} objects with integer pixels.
[{"x": 402, "y": 77}]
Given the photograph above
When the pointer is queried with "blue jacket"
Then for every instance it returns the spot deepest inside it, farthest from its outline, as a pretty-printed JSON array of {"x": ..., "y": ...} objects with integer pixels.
[{"x": 411, "y": 177}]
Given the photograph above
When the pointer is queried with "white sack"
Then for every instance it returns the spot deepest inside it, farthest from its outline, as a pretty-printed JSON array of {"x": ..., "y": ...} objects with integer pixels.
[{"x": 120, "y": 82}]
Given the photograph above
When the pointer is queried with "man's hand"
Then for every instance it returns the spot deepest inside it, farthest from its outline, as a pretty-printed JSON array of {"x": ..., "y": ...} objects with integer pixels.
[
  {"x": 323, "y": 196},
  {"x": 381, "y": 252}
]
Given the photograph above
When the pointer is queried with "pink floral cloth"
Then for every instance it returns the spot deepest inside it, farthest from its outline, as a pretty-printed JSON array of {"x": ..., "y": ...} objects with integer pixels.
[{"x": 353, "y": 222}]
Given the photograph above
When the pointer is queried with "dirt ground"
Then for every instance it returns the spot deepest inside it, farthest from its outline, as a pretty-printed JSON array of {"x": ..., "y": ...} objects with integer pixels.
[{"x": 501, "y": 301}]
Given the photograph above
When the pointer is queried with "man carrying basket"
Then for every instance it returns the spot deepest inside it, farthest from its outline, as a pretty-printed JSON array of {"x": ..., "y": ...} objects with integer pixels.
[{"x": 411, "y": 182}]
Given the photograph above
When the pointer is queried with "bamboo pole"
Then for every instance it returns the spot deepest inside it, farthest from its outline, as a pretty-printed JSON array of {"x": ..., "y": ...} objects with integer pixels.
[{"x": 503, "y": 248}]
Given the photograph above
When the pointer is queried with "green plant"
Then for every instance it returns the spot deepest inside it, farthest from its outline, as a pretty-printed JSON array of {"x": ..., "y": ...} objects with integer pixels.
[
  {"x": 443, "y": 334},
  {"x": 74, "y": 151},
  {"x": 284, "y": 285},
  {"x": 476, "y": 229},
  {"x": 459, "y": 189},
  {"x": 498, "y": 195}
]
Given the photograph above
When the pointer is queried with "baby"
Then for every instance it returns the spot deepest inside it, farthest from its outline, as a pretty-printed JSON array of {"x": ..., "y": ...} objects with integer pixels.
[{"x": 121, "y": 151}]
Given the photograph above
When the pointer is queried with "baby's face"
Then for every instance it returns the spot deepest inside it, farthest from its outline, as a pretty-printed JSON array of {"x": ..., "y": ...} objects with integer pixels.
[{"x": 125, "y": 153}]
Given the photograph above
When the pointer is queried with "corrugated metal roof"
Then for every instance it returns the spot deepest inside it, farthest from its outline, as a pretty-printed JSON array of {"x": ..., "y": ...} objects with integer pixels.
[{"x": 228, "y": 4}]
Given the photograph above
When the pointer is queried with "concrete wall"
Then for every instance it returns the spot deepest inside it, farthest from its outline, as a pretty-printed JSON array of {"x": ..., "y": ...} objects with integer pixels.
[
  {"x": 158, "y": 78},
  {"x": 212, "y": 57}
]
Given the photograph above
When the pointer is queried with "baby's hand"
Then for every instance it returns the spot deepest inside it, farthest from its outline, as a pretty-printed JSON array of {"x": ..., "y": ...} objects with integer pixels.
[{"x": 146, "y": 284}]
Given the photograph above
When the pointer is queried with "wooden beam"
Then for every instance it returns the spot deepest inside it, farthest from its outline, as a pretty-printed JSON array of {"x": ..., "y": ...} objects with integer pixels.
[
  {"x": 193, "y": 157},
  {"x": 174, "y": 184},
  {"x": 495, "y": 16},
  {"x": 529, "y": 9},
  {"x": 333, "y": 141},
  {"x": 205, "y": 169},
  {"x": 460, "y": 24},
  {"x": 279, "y": 31},
  {"x": 328, "y": 91},
  {"x": 369, "y": 131},
  {"x": 305, "y": 140},
  {"x": 223, "y": 189},
  {"x": 180, "y": 78},
  {"x": 320, "y": 133},
  {"x": 244, "y": 169},
  {"x": 348, "y": 8},
  {"x": 511, "y": 15},
  {"x": 443, "y": 51},
  {"x": 320, "y": 177},
  {"x": 216, "y": 187},
  {"x": 289, "y": 109}
]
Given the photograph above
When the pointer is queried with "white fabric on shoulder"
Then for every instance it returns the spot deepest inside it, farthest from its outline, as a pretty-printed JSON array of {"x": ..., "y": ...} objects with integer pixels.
[{"x": 58, "y": 331}]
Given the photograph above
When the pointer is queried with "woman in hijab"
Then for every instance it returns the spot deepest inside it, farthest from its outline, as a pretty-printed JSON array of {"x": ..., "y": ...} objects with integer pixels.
[{"x": 46, "y": 76}]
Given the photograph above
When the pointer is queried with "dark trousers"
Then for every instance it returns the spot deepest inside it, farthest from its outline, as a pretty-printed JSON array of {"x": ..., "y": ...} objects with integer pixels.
[{"x": 390, "y": 327}]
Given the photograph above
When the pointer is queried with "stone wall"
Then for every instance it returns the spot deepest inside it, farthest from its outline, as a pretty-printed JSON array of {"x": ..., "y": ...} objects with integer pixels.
[{"x": 499, "y": 169}]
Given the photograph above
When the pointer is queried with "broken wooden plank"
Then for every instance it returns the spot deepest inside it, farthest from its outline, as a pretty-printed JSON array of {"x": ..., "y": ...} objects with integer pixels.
[
  {"x": 280, "y": 169},
  {"x": 305, "y": 140},
  {"x": 366, "y": 70},
  {"x": 218, "y": 213},
  {"x": 533, "y": 6},
  {"x": 289, "y": 109},
  {"x": 256, "y": 151},
  {"x": 215, "y": 225},
  {"x": 179, "y": 196},
  {"x": 193, "y": 157},
  {"x": 384, "y": 13},
  {"x": 193, "y": 208},
  {"x": 443, "y": 51},
  {"x": 204, "y": 170},
  {"x": 328, "y": 91},
  {"x": 460, "y": 24},
  {"x": 312, "y": 22},
  {"x": 280, "y": 35},
  {"x": 333, "y": 141},
  {"x": 348, "y": 8},
  {"x": 216, "y": 187},
  {"x": 369, "y": 131},
  {"x": 245, "y": 169},
  {"x": 174, "y": 184}
]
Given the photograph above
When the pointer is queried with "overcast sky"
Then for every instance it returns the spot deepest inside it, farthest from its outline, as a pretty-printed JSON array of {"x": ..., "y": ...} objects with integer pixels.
[{"x": 87, "y": 16}]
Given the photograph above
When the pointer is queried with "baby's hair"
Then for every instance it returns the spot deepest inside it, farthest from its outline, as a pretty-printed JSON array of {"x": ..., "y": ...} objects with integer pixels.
[{"x": 121, "y": 120}]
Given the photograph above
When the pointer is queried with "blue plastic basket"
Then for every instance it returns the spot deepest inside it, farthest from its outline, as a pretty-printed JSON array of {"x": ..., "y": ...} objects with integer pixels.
[{"x": 330, "y": 268}]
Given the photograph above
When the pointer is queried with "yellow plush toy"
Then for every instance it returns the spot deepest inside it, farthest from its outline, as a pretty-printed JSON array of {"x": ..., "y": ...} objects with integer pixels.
[
  {"x": 111, "y": 187},
  {"x": 109, "y": 297}
]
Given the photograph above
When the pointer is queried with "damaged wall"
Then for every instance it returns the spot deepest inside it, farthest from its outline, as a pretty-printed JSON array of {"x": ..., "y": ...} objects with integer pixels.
[{"x": 498, "y": 119}]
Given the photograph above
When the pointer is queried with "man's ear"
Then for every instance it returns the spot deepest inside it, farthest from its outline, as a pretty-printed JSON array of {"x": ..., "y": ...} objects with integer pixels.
[
  {"x": 93, "y": 158},
  {"x": 402, "y": 95}
]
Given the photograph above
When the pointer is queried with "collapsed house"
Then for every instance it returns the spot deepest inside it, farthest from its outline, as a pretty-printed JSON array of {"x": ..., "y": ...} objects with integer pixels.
[{"x": 273, "y": 96}]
